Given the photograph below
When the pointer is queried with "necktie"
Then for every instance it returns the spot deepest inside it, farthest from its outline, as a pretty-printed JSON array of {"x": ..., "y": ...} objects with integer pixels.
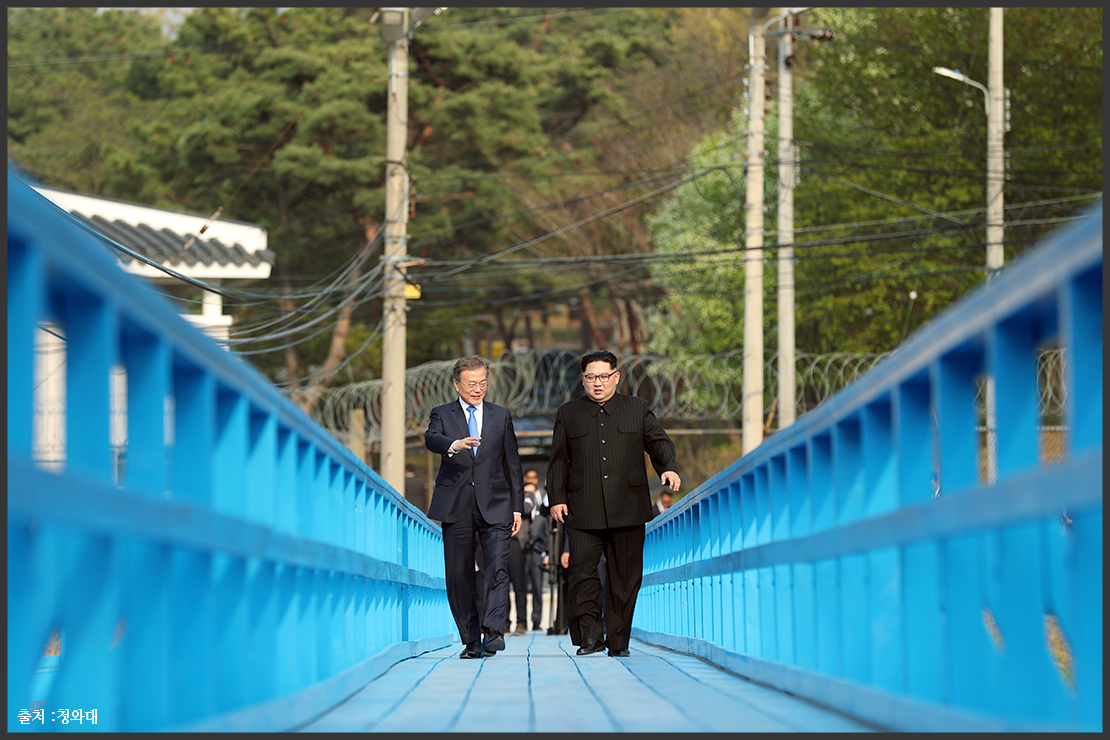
[{"x": 472, "y": 425}]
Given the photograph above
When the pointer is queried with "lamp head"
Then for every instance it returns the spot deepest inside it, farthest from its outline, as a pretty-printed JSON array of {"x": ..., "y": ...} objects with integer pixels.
[
  {"x": 393, "y": 23},
  {"x": 955, "y": 74},
  {"x": 419, "y": 15}
]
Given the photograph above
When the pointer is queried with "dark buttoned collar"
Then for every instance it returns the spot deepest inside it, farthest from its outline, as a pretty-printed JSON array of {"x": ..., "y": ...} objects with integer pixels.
[{"x": 595, "y": 408}]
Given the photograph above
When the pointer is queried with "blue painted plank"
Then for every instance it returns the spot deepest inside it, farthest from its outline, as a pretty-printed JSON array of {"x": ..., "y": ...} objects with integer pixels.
[
  {"x": 877, "y": 450},
  {"x": 91, "y": 352},
  {"x": 953, "y": 382},
  {"x": 848, "y": 479},
  {"x": 144, "y": 644},
  {"x": 25, "y": 311},
  {"x": 146, "y": 361},
  {"x": 969, "y": 638},
  {"x": 194, "y": 394},
  {"x": 1013, "y": 364},
  {"x": 914, "y": 442},
  {"x": 827, "y": 596},
  {"x": 888, "y": 626},
  {"x": 261, "y": 460},
  {"x": 1081, "y": 339},
  {"x": 822, "y": 494},
  {"x": 856, "y": 621},
  {"x": 926, "y": 625},
  {"x": 805, "y": 615},
  {"x": 801, "y": 509}
]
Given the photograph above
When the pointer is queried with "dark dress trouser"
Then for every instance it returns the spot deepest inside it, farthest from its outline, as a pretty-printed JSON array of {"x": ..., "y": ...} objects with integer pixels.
[
  {"x": 606, "y": 615},
  {"x": 460, "y": 540},
  {"x": 518, "y": 582}
]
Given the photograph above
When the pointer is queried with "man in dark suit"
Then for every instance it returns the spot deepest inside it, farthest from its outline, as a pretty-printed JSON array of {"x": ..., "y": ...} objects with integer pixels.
[
  {"x": 598, "y": 485},
  {"x": 478, "y": 497}
]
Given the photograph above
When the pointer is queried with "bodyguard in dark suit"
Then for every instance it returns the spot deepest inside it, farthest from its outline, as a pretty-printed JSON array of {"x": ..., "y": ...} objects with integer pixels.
[
  {"x": 597, "y": 484},
  {"x": 478, "y": 497}
]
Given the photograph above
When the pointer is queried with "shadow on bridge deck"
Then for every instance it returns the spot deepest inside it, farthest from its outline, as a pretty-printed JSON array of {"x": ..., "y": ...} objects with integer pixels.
[{"x": 537, "y": 684}]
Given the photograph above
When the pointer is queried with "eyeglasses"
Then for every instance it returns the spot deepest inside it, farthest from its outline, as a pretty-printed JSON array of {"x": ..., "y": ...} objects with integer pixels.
[
  {"x": 472, "y": 386},
  {"x": 604, "y": 377}
]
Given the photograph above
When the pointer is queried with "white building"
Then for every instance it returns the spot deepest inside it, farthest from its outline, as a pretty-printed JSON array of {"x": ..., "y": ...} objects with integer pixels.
[{"x": 228, "y": 250}]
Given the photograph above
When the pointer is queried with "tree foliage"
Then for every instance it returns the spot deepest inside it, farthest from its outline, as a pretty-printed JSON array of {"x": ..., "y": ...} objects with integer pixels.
[
  {"x": 547, "y": 133},
  {"x": 886, "y": 146}
]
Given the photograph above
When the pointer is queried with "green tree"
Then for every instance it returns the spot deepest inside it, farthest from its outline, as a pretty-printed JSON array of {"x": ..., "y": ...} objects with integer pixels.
[
  {"x": 69, "y": 120},
  {"x": 887, "y": 146}
]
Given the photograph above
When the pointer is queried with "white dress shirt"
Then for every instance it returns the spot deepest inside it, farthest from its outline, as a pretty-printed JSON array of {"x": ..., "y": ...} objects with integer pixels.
[{"x": 466, "y": 413}]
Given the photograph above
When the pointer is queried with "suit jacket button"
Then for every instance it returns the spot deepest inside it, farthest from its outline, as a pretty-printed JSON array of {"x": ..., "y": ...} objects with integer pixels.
[{"x": 605, "y": 476}]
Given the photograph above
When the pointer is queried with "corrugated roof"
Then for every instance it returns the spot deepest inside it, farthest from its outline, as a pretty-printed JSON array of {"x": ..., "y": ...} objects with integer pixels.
[{"x": 165, "y": 246}]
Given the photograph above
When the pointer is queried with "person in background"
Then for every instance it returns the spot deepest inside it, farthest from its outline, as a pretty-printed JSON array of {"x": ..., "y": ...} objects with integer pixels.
[
  {"x": 534, "y": 565},
  {"x": 518, "y": 565},
  {"x": 663, "y": 502}
]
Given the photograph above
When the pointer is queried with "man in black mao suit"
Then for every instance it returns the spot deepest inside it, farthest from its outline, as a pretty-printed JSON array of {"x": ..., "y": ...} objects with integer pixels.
[
  {"x": 597, "y": 484},
  {"x": 478, "y": 497}
]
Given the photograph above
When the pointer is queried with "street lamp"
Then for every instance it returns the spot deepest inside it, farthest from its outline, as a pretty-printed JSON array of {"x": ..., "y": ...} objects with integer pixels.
[
  {"x": 956, "y": 74},
  {"x": 995, "y": 130},
  {"x": 419, "y": 15}
]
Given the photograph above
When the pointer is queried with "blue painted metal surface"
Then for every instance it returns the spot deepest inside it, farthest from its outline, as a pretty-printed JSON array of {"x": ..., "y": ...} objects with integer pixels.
[
  {"x": 857, "y": 558},
  {"x": 247, "y": 573}
]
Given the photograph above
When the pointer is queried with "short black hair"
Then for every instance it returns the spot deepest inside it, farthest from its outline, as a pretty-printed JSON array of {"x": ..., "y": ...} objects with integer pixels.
[
  {"x": 471, "y": 362},
  {"x": 410, "y": 468},
  {"x": 599, "y": 355}
]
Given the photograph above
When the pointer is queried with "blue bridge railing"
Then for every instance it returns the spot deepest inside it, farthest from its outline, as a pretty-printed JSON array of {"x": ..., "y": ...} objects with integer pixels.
[
  {"x": 245, "y": 571},
  {"x": 859, "y": 558}
]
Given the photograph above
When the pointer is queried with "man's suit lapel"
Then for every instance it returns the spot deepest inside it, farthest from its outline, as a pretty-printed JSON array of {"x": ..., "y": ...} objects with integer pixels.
[
  {"x": 491, "y": 426},
  {"x": 458, "y": 416}
]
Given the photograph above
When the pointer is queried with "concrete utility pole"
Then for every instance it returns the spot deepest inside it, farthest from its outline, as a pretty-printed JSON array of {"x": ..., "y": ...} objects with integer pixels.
[
  {"x": 787, "y": 375},
  {"x": 995, "y": 131},
  {"x": 394, "y": 315},
  {"x": 995, "y": 218},
  {"x": 752, "y": 383}
]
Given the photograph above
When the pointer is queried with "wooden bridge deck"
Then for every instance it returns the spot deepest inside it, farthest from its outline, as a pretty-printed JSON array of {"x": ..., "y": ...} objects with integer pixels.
[{"x": 537, "y": 684}]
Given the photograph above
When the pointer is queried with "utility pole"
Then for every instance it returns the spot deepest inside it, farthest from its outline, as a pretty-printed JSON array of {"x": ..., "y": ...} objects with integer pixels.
[
  {"x": 394, "y": 314},
  {"x": 787, "y": 375},
  {"x": 996, "y": 123},
  {"x": 995, "y": 131},
  {"x": 788, "y": 161},
  {"x": 752, "y": 382}
]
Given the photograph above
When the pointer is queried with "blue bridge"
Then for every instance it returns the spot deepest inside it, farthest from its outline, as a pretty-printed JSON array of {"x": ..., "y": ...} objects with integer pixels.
[{"x": 855, "y": 572}]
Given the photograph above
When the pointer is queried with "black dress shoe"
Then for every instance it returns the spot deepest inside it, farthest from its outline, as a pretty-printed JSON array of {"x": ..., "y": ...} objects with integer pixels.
[
  {"x": 590, "y": 645},
  {"x": 472, "y": 650},
  {"x": 494, "y": 641},
  {"x": 619, "y": 653}
]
